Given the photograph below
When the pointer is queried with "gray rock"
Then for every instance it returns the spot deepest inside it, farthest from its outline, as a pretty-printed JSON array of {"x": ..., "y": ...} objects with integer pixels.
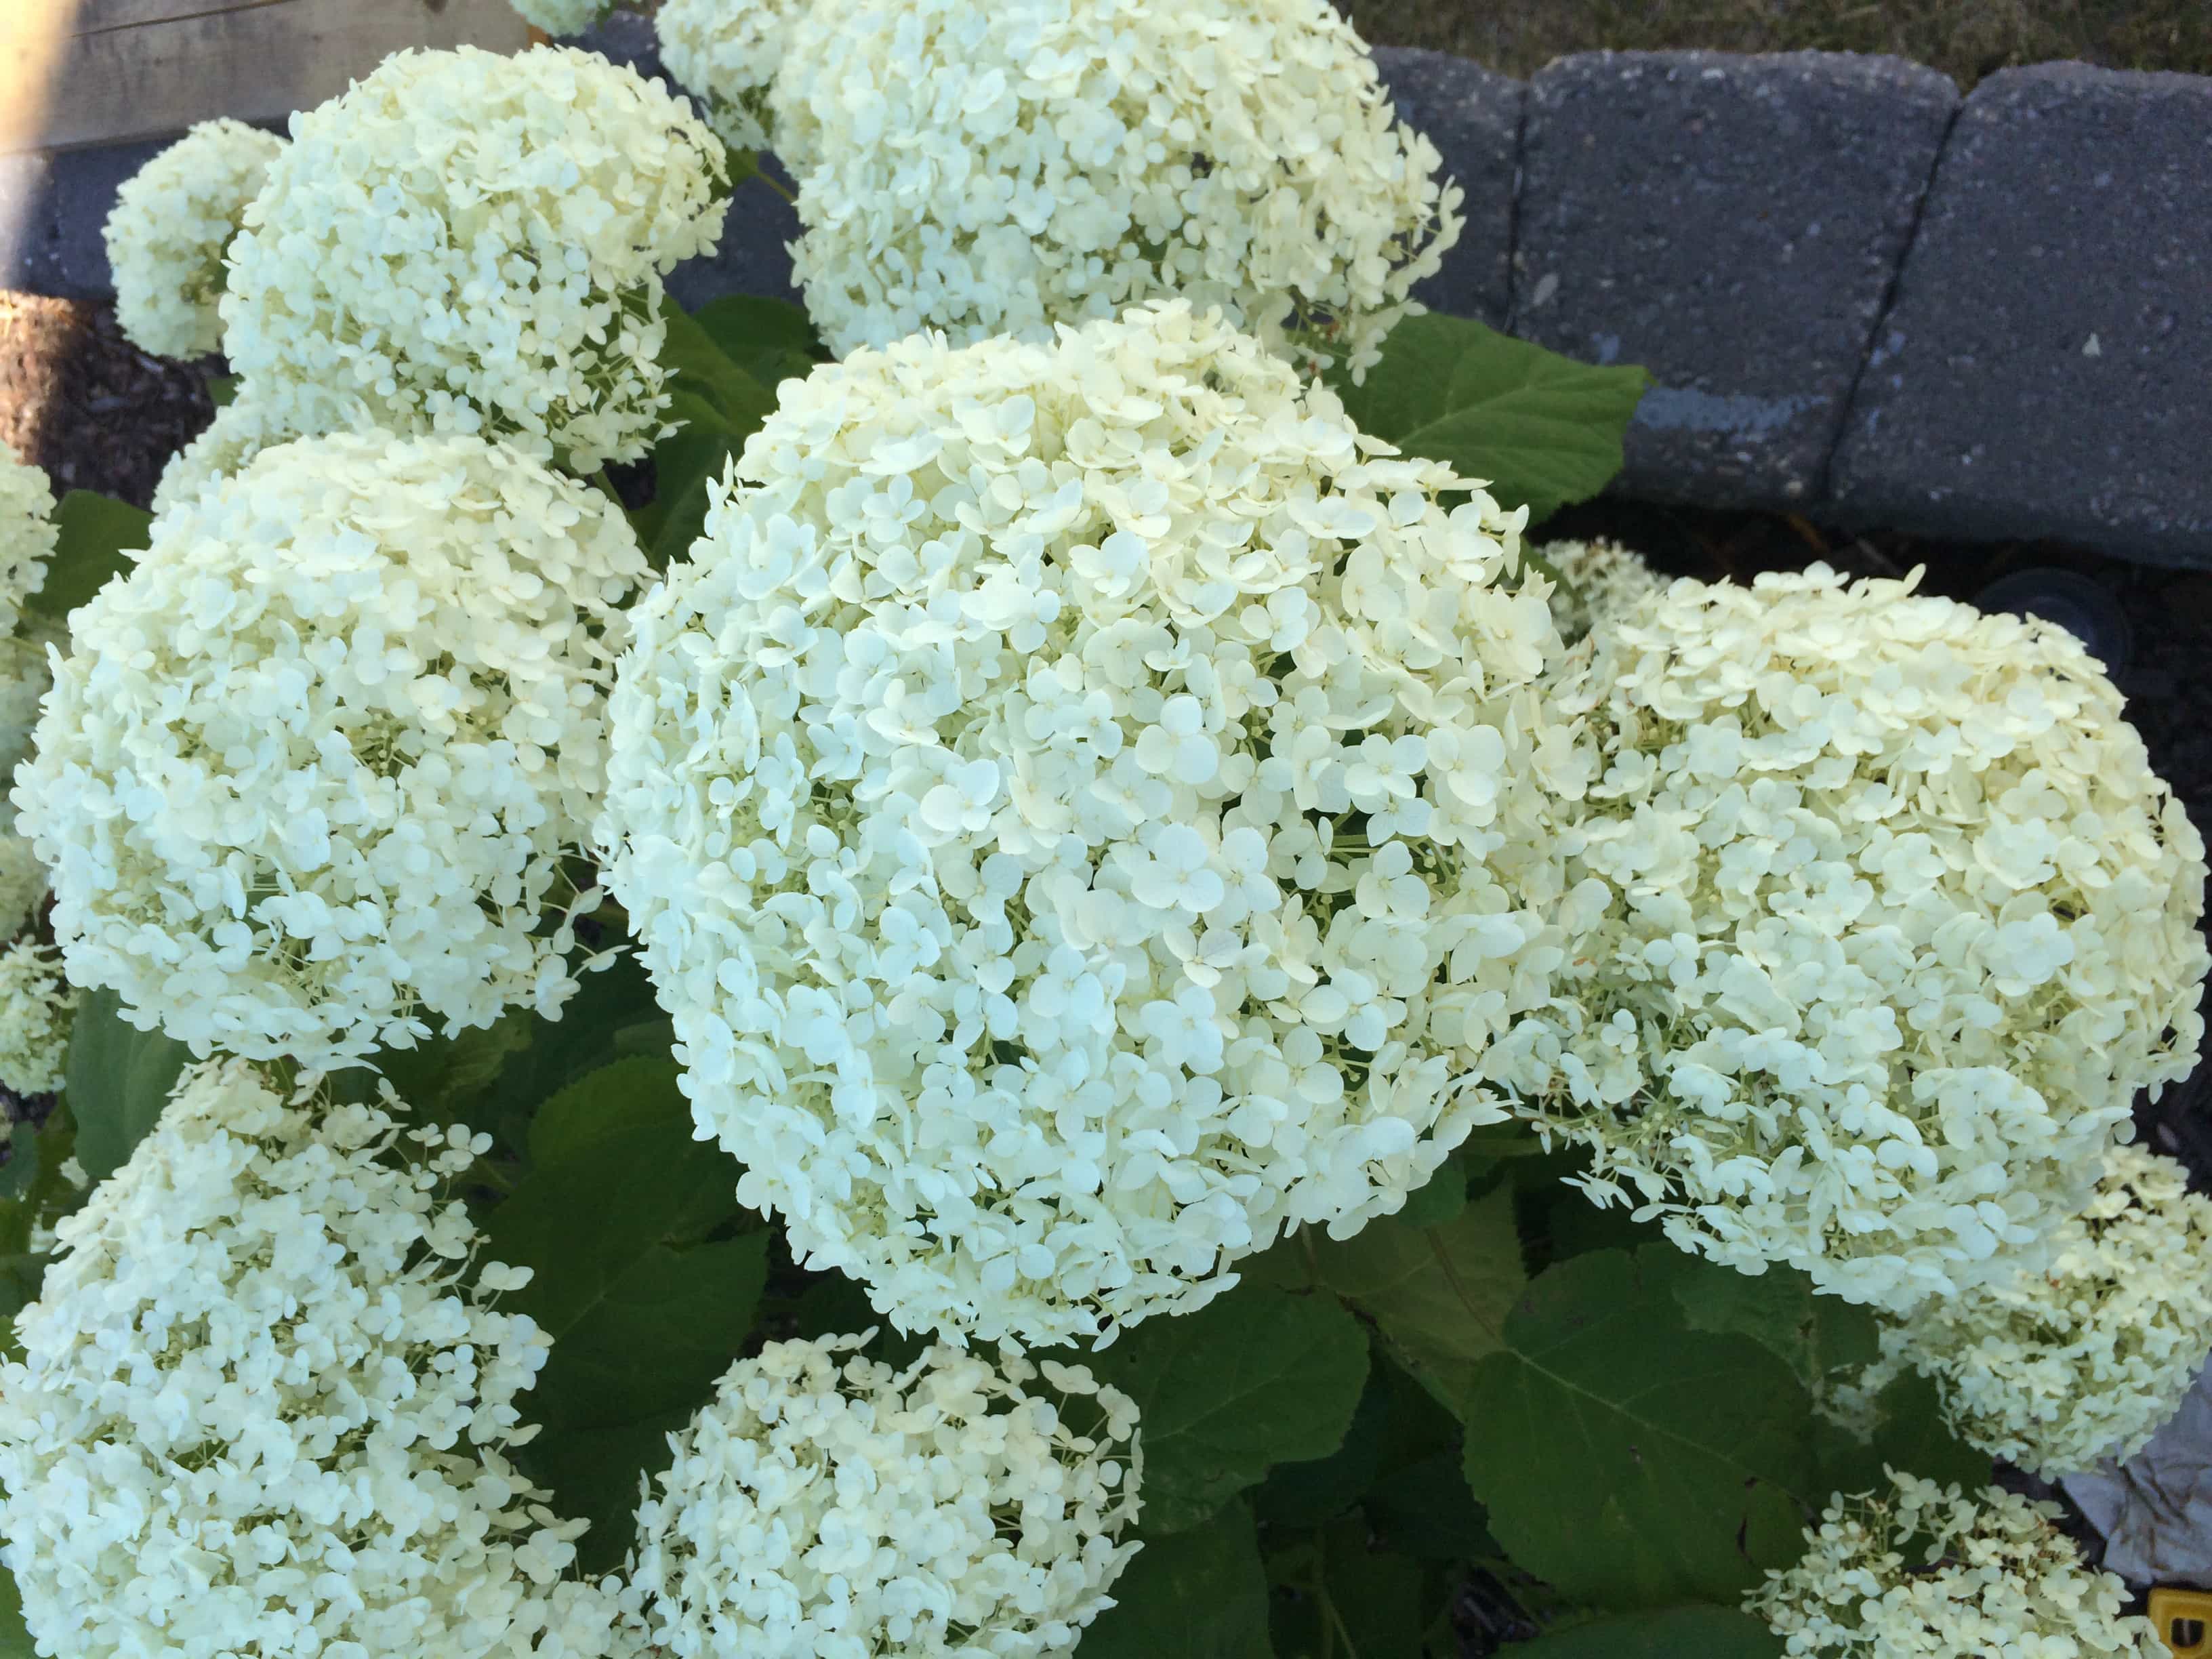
[
  {"x": 1733, "y": 223},
  {"x": 753, "y": 256},
  {"x": 1473, "y": 115},
  {"x": 53, "y": 206},
  {"x": 2046, "y": 368}
]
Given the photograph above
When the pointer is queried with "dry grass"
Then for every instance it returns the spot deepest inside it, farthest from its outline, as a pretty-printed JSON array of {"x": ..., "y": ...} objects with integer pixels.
[{"x": 1965, "y": 39}]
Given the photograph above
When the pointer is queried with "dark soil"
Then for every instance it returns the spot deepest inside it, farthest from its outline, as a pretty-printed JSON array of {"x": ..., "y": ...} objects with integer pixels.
[{"x": 82, "y": 402}]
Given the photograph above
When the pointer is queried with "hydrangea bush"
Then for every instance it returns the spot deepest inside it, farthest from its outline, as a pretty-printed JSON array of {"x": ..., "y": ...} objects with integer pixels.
[{"x": 1128, "y": 916}]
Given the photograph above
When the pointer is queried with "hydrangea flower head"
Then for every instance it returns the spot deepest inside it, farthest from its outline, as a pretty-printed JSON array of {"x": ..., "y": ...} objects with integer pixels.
[
  {"x": 1085, "y": 813},
  {"x": 265, "y": 1403},
  {"x": 1598, "y": 581},
  {"x": 826, "y": 1504},
  {"x": 561, "y": 17},
  {"x": 468, "y": 243},
  {"x": 28, "y": 534},
  {"x": 1880, "y": 920},
  {"x": 997, "y": 169},
  {"x": 2087, "y": 1358},
  {"x": 310, "y": 772},
  {"x": 171, "y": 221},
  {"x": 728, "y": 53},
  {"x": 37, "y": 1008},
  {"x": 1925, "y": 1572}
]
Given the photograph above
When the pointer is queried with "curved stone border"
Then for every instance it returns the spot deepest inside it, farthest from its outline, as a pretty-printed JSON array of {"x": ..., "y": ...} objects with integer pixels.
[{"x": 1862, "y": 297}]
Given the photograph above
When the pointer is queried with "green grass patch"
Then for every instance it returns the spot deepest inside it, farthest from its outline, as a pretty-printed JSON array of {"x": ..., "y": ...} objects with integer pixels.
[{"x": 1966, "y": 39}]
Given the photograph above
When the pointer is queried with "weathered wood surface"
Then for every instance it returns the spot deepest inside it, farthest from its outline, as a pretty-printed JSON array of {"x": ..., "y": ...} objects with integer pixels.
[{"x": 74, "y": 72}]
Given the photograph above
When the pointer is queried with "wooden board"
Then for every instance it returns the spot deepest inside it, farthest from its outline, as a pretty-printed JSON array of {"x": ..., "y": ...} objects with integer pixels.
[{"x": 76, "y": 72}]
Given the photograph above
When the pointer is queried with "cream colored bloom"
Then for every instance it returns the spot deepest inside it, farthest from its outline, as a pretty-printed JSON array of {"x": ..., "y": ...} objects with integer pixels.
[
  {"x": 311, "y": 775},
  {"x": 1923, "y": 1572},
  {"x": 2085, "y": 1359},
  {"x": 726, "y": 53},
  {"x": 27, "y": 535},
  {"x": 997, "y": 169},
  {"x": 1083, "y": 815},
  {"x": 1883, "y": 920},
  {"x": 829, "y": 1504},
  {"x": 561, "y": 17},
  {"x": 1600, "y": 580},
  {"x": 473, "y": 244},
  {"x": 37, "y": 1007},
  {"x": 171, "y": 221},
  {"x": 265, "y": 1404}
]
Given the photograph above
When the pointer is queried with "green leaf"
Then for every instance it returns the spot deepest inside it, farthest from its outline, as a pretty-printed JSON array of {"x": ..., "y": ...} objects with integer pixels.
[
  {"x": 1317, "y": 1490},
  {"x": 1814, "y": 1336},
  {"x": 582, "y": 1221},
  {"x": 445, "y": 1079},
  {"x": 594, "y": 1475},
  {"x": 1351, "y": 1601},
  {"x": 99, "y": 537},
  {"x": 685, "y": 464},
  {"x": 699, "y": 365},
  {"x": 117, "y": 1080},
  {"x": 21, "y": 1169},
  {"x": 1542, "y": 429},
  {"x": 222, "y": 390},
  {"x": 15, "y": 1639},
  {"x": 1440, "y": 1295},
  {"x": 1911, "y": 1435},
  {"x": 770, "y": 339},
  {"x": 1201, "y": 1593},
  {"x": 1627, "y": 1459},
  {"x": 1256, "y": 1377},
  {"x": 613, "y": 1016},
  {"x": 1669, "y": 1633},
  {"x": 660, "y": 1340},
  {"x": 1419, "y": 1504},
  {"x": 644, "y": 1319},
  {"x": 640, "y": 1092}
]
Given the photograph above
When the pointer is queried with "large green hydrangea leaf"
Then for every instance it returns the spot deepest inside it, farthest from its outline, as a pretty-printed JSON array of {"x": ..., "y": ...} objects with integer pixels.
[
  {"x": 1256, "y": 1377},
  {"x": 1543, "y": 429},
  {"x": 1627, "y": 1459},
  {"x": 1198, "y": 1594}
]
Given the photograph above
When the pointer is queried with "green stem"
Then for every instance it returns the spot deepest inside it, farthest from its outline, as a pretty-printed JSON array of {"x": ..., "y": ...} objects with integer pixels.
[{"x": 766, "y": 177}]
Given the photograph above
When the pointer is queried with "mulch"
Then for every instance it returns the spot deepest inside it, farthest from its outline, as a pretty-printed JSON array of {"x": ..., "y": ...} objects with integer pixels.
[{"x": 82, "y": 402}]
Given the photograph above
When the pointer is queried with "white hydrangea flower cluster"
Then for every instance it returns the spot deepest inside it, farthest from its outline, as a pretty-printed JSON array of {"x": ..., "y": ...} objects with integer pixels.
[
  {"x": 727, "y": 52},
  {"x": 1925, "y": 1572},
  {"x": 261, "y": 1409},
  {"x": 311, "y": 770},
  {"x": 27, "y": 535},
  {"x": 1599, "y": 581},
  {"x": 171, "y": 221},
  {"x": 238, "y": 432},
  {"x": 996, "y": 169},
  {"x": 561, "y": 17},
  {"x": 2052, "y": 1371},
  {"x": 1083, "y": 813},
  {"x": 37, "y": 1007},
  {"x": 824, "y": 1505},
  {"x": 470, "y": 243},
  {"x": 1879, "y": 920}
]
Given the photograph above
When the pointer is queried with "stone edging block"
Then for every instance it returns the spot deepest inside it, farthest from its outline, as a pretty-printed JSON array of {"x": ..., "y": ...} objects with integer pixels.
[
  {"x": 2046, "y": 368},
  {"x": 1733, "y": 224}
]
